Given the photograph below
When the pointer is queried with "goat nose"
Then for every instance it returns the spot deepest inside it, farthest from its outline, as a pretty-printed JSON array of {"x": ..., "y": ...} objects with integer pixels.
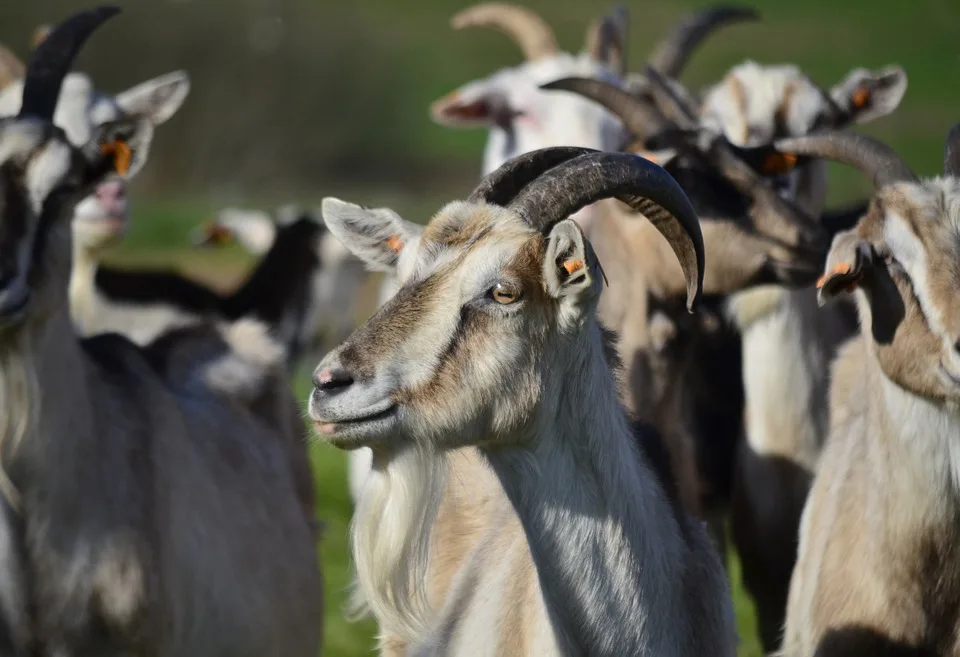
[
  {"x": 111, "y": 191},
  {"x": 332, "y": 380}
]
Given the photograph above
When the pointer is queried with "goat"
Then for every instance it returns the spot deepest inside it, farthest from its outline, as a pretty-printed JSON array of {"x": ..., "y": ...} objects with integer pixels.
[
  {"x": 492, "y": 344},
  {"x": 335, "y": 282},
  {"x": 521, "y": 117},
  {"x": 780, "y": 328},
  {"x": 751, "y": 236},
  {"x": 143, "y": 305},
  {"x": 159, "y": 515},
  {"x": 886, "y": 488}
]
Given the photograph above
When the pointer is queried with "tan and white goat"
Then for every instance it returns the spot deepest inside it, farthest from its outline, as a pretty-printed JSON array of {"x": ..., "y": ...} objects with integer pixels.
[
  {"x": 492, "y": 343},
  {"x": 878, "y": 563},
  {"x": 158, "y": 515}
]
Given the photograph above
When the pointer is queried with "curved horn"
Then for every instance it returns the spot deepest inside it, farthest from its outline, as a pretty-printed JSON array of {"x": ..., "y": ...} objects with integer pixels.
[
  {"x": 672, "y": 98},
  {"x": 52, "y": 59},
  {"x": 874, "y": 158},
  {"x": 637, "y": 115},
  {"x": 531, "y": 33},
  {"x": 606, "y": 39},
  {"x": 11, "y": 68},
  {"x": 642, "y": 185},
  {"x": 501, "y": 186},
  {"x": 670, "y": 55},
  {"x": 951, "y": 153}
]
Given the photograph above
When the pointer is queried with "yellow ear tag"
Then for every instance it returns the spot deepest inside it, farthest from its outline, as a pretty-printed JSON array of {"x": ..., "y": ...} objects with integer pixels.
[
  {"x": 779, "y": 162},
  {"x": 573, "y": 265},
  {"x": 395, "y": 243},
  {"x": 121, "y": 155},
  {"x": 860, "y": 98}
]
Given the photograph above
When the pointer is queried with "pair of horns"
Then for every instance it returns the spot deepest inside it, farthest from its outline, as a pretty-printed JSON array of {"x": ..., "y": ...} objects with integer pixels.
[
  {"x": 536, "y": 39},
  {"x": 548, "y": 185},
  {"x": 53, "y": 58}
]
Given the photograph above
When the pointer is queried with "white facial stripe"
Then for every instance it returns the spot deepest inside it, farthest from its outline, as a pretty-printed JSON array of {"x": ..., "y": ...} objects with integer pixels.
[
  {"x": 475, "y": 270},
  {"x": 20, "y": 137},
  {"x": 909, "y": 252},
  {"x": 47, "y": 170}
]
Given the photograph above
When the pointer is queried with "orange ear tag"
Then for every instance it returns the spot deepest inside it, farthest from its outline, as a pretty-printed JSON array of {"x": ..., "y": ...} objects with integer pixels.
[
  {"x": 779, "y": 162},
  {"x": 573, "y": 265},
  {"x": 122, "y": 155},
  {"x": 395, "y": 243},
  {"x": 839, "y": 270},
  {"x": 860, "y": 98}
]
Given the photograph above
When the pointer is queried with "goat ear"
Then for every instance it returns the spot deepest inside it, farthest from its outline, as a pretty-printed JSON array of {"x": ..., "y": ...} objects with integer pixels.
[
  {"x": 850, "y": 255},
  {"x": 120, "y": 146},
  {"x": 867, "y": 95},
  {"x": 375, "y": 235},
  {"x": 477, "y": 104},
  {"x": 157, "y": 99},
  {"x": 570, "y": 266}
]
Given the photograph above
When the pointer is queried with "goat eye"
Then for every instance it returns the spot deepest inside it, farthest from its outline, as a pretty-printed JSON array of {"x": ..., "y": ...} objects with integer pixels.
[{"x": 505, "y": 293}]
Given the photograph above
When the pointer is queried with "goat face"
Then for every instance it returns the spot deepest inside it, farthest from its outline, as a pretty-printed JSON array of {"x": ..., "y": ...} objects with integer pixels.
[
  {"x": 904, "y": 256},
  {"x": 456, "y": 351},
  {"x": 902, "y": 259},
  {"x": 755, "y": 104},
  {"x": 42, "y": 176},
  {"x": 485, "y": 334},
  {"x": 522, "y": 117},
  {"x": 101, "y": 218}
]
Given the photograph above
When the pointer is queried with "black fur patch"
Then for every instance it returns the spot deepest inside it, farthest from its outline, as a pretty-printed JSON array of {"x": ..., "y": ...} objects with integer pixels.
[{"x": 279, "y": 287}]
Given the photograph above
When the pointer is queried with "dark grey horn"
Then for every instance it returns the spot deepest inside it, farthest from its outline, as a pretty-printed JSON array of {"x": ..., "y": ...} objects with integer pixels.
[
  {"x": 672, "y": 99},
  {"x": 670, "y": 55},
  {"x": 53, "y": 58},
  {"x": 607, "y": 39},
  {"x": 499, "y": 187},
  {"x": 637, "y": 115},
  {"x": 874, "y": 158},
  {"x": 639, "y": 183},
  {"x": 951, "y": 153}
]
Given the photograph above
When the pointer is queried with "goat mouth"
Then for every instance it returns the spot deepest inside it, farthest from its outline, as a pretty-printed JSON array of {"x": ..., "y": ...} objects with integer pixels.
[{"x": 350, "y": 432}]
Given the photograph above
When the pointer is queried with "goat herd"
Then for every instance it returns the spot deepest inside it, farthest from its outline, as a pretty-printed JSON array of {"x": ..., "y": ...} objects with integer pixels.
[{"x": 545, "y": 453}]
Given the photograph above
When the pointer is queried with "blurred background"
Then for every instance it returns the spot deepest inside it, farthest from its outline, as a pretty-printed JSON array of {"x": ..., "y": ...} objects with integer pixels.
[{"x": 298, "y": 99}]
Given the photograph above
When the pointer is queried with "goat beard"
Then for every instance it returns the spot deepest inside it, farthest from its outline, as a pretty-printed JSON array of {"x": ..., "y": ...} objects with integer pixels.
[{"x": 390, "y": 540}]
